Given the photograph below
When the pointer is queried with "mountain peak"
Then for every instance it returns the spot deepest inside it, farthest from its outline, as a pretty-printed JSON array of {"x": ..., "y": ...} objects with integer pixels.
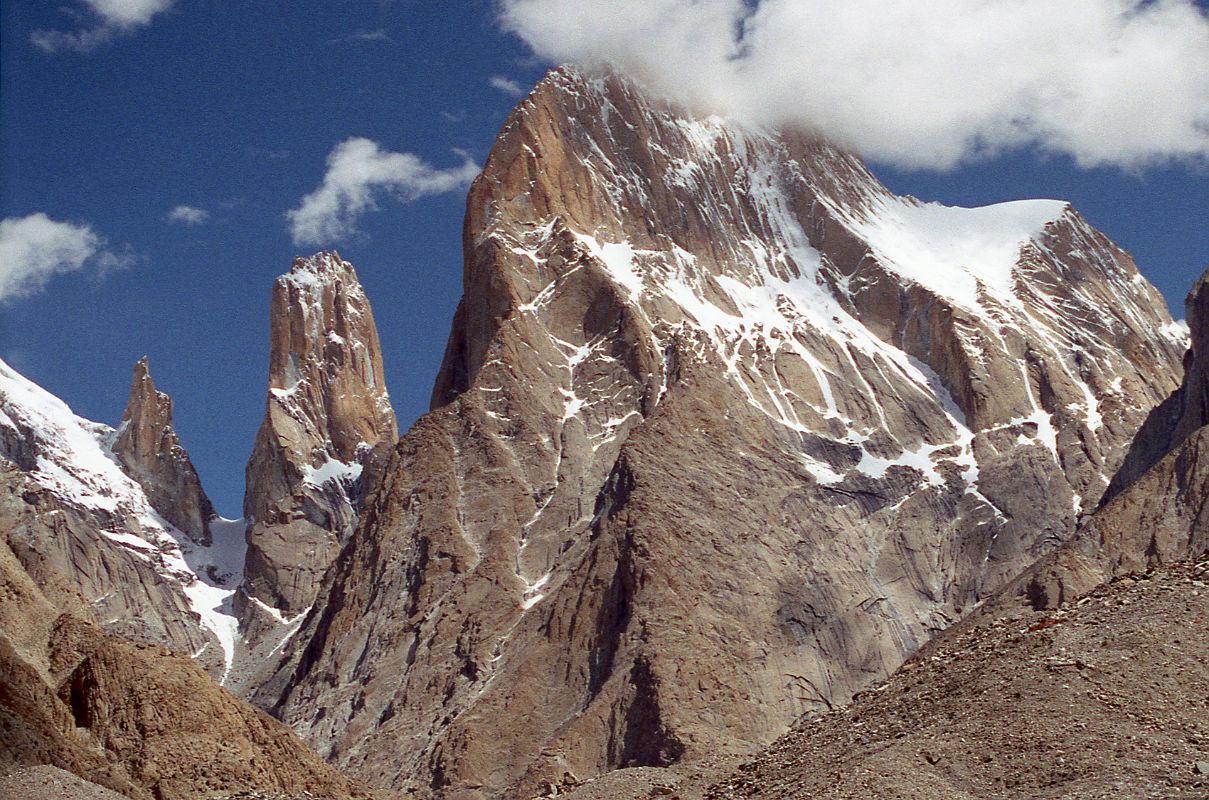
[
  {"x": 327, "y": 408},
  {"x": 148, "y": 448}
]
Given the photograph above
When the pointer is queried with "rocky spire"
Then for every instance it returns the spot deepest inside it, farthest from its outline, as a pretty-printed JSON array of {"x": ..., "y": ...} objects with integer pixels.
[
  {"x": 149, "y": 450},
  {"x": 327, "y": 409},
  {"x": 725, "y": 431}
]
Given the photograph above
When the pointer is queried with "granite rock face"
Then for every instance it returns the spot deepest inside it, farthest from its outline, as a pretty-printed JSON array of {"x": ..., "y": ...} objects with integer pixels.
[
  {"x": 149, "y": 450},
  {"x": 725, "y": 432},
  {"x": 75, "y": 518},
  {"x": 1158, "y": 511},
  {"x": 135, "y": 718},
  {"x": 327, "y": 409}
]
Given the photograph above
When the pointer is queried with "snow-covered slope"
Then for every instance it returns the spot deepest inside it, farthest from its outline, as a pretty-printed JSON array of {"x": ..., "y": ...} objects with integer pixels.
[{"x": 136, "y": 569}]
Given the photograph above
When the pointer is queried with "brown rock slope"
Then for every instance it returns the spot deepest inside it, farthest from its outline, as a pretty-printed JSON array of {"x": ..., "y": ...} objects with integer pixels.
[
  {"x": 1105, "y": 698},
  {"x": 725, "y": 431},
  {"x": 136, "y": 718},
  {"x": 149, "y": 450}
]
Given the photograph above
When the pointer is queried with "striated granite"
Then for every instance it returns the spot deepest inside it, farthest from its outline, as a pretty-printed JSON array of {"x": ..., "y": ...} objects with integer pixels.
[
  {"x": 724, "y": 433},
  {"x": 149, "y": 450},
  {"x": 327, "y": 409}
]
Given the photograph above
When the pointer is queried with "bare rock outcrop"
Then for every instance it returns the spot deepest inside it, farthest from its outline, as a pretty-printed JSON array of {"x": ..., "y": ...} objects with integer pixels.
[
  {"x": 136, "y": 718},
  {"x": 75, "y": 518},
  {"x": 149, "y": 450},
  {"x": 724, "y": 433},
  {"x": 327, "y": 410}
]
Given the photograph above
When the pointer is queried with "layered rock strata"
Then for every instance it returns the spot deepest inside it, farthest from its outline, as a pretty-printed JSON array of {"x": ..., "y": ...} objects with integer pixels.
[{"x": 725, "y": 431}]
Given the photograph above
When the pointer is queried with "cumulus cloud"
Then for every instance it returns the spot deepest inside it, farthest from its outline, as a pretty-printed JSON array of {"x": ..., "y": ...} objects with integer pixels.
[
  {"x": 36, "y": 248},
  {"x": 108, "y": 18},
  {"x": 922, "y": 85},
  {"x": 188, "y": 215},
  {"x": 358, "y": 172},
  {"x": 506, "y": 85}
]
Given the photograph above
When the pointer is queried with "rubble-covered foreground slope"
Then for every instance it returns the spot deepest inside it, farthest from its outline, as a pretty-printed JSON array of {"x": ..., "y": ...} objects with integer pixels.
[{"x": 1105, "y": 698}]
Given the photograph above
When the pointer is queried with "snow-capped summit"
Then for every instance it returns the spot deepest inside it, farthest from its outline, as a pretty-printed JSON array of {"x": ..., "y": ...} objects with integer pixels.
[
  {"x": 73, "y": 510},
  {"x": 724, "y": 432}
]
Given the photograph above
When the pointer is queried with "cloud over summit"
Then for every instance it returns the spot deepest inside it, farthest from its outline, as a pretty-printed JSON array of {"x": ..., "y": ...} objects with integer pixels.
[{"x": 1120, "y": 83}]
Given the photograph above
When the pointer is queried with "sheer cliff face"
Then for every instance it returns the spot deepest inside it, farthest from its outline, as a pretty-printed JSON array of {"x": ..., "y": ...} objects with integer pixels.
[
  {"x": 327, "y": 409},
  {"x": 149, "y": 450},
  {"x": 724, "y": 432},
  {"x": 1158, "y": 509}
]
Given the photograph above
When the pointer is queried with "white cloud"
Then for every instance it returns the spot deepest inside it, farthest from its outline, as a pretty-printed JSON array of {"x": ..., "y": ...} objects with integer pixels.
[
  {"x": 506, "y": 85},
  {"x": 379, "y": 35},
  {"x": 1109, "y": 82},
  {"x": 36, "y": 248},
  {"x": 110, "y": 17},
  {"x": 357, "y": 171},
  {"x": 188, "y": 215}
]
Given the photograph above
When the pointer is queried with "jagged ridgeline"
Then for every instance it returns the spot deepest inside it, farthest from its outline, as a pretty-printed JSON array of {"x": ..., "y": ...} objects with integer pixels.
[{"x": 724, "y": 432}]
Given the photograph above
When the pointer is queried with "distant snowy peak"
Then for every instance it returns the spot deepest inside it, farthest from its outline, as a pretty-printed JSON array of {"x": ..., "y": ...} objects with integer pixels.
[{"x": 163, "y": 574}]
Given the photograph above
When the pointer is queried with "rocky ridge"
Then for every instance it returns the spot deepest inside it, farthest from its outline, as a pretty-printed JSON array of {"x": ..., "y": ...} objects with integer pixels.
[
  {"x": 147, "y": 447},
  {"x": 74, "y": 518},
  {"x": 724, "y": 433}
]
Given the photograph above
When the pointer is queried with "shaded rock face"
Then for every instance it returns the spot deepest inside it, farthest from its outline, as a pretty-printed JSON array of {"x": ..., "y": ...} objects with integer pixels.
[
  {"x": 724, "y": 432},
  {"x": 1185, "y": 411},
  {"x": 1158, "y": 508},
  {"x": 327, "y": 409},
  {"x": 149, "y": 450},
  {"x": 75, "y": 519},
  {"x": 135, "y": 718}
]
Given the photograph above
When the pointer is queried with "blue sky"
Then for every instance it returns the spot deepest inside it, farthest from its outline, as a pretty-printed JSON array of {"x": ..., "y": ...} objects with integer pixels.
[{"x": 233, "y": 108}]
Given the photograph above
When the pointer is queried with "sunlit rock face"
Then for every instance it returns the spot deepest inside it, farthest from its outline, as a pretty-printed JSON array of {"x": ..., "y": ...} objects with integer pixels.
[
  {"x": 724, "y": 432},
  {"x": 149, "y": 450},
  {"x": 327, "y": 409}
]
